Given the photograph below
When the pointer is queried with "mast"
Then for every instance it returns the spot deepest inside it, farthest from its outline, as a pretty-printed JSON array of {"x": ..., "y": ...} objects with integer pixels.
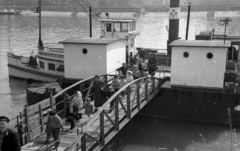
[
  {"x": 90, "y": 20},
  {"x": 9, "y": 37},
  {"x": 188, "y": 17},
  {"x": 40, "y": 43}
]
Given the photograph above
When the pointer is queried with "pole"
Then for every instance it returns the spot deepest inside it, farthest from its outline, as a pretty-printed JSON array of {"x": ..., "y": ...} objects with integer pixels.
[
  {"x": 188, "y": 17},
  {"x": 225, "y": 22},
  {"x": 90, "y": 19},
  {"x": 40, "y": 43},
  {"x": 174, "y": 13},
  {"x": 225, "y": 30}
]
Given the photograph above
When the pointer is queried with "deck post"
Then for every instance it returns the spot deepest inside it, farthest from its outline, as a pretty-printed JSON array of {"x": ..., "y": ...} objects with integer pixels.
[
  {"x": 102, "y": 128},
  {"x": 19, "y": 129},
  {"x": 81, "y": 87},
  {"x": 65, "y": 104},
  {"x": 51, "y": 100},
  {"x": 41, "y": 117},
  {"x": 27, "y": 121},
  {"x": 84, "y": 147},
  {"x": 138, "y": 95},
  {"x": 153, "y": 84},
  {"x": 105, "y": 80},
  {"x": 22, "y": 139},
  {"x": 128, "y": 103},
  {"x": 116, "y": 113},
  {"x": 146, "y": 90}
]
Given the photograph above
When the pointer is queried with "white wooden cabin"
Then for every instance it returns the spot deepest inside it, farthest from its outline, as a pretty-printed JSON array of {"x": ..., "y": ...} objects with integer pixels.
[
  {"x": 198, "y": 63},
  {"x": 86, "y": 57},
  {"x": 120, "y": 28}
]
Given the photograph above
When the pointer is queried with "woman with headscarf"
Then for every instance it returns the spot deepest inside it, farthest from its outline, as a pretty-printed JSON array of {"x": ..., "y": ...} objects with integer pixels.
[{"x": 78, "y": 102}]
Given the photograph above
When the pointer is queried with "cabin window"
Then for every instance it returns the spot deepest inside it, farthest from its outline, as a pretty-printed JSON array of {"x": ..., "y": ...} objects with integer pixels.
[
  {"x": 41, "y": 64},
  {"x": 51, "y": 66},
  {"x": 209, "y": 55},
  {"x": 116, "y": 27},
  {"x": 109, "y": 27},
  {"x": 185, "y": 54},
  {"x": 124, "y": 27},
  {"x": 85, "y": 51},
  {"x": 130, "y": 26}
]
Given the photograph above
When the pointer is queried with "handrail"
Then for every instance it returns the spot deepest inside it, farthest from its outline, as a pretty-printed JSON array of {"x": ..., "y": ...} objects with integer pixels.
[{"x": 102, "y": 109}]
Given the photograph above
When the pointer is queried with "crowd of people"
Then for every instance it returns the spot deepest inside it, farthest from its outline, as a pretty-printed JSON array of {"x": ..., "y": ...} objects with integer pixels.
[{"x": 134, "y": 69}]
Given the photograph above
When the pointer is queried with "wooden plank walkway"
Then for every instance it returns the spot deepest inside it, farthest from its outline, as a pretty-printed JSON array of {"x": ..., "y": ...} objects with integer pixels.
[{"x": 92, "y": 133}]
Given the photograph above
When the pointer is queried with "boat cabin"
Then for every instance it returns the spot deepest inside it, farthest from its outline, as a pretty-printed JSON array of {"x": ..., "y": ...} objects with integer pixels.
[
  {"x": 123, "y": 28},
  {"x": 199, "y": 64},
  {"x": 86, "y": 57},
  {"x": 51, "y": 58}
]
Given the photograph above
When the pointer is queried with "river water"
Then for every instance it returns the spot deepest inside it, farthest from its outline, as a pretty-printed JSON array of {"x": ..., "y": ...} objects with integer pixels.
[{"x": 19, "y": 34}]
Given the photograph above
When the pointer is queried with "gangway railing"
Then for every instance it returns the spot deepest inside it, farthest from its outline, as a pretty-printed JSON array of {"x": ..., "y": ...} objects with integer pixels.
[
  {"x": 30, "y": 123},
  {"x": 108, "y": 120}
]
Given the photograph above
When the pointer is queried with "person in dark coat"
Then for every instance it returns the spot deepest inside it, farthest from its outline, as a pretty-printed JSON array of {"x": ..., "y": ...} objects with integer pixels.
[
  {"x": 54, "y": 124},
  {"x": 9, "y": 140},
  {"x": 152, "y": 65},
  {"x": 124, "y": 69},
  {"x": 98, "y": 95},
  {"x": 72, "y": 113}
]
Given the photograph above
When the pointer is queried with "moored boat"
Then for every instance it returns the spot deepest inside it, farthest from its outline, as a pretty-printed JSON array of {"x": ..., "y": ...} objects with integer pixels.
[
  {"x": 47, "y": 65},
  {"x": 9, "y": 12}
]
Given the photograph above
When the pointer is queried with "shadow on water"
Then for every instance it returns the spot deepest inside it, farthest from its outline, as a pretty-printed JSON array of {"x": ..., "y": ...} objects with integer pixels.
[{"x": 148, "y": 134}]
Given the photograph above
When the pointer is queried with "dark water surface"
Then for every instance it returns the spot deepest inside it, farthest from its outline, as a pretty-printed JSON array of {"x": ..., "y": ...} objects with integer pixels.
[{"x": 149, "y": 134}]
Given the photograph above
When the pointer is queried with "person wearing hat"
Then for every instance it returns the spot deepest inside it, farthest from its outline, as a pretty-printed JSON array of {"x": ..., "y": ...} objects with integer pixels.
[
  {"x": 9, "y": 140},
  {"x": 54, "y": 124},
  {"x": 123, "y": 69}
]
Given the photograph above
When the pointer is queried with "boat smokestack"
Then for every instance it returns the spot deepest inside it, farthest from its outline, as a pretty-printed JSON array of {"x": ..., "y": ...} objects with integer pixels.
[{"x": 174, "y": 15}]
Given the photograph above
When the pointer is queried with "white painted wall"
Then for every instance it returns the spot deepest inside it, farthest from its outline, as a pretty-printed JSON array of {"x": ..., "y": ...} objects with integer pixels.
[
  {"x": 80, "y": 66},
  {"x": 116, "y": 55},
  {"x": 197, "y": 70}
]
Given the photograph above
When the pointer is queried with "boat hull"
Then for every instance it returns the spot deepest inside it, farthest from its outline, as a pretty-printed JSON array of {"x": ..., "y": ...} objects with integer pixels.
[
  {"x": 18, "y": 67},
  {"x": 195, "y": 106}
]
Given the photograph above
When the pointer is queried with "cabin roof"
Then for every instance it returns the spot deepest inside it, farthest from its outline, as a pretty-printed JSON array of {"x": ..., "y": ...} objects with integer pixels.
[
  {"x": 200, "y": 43},
  {"x": 118, "y": 20},
  {"x": 96, "y": 41}
]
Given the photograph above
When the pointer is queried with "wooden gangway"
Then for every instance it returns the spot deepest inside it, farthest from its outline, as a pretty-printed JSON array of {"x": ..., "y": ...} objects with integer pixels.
[{"x": 90, "y": 133}]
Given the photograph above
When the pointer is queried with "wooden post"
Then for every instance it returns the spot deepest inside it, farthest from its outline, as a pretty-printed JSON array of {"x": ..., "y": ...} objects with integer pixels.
[
  {"x": 51, "y": 100},
  {"x": 138, "y": 95},
  {"x": 153, "y": 84},
  {"x": 81, "y": 87},
  {"x": 19, "y": 129},
  {"x": 27, "y": 121},
  {"x": 84, "y": 146},
  {"x": 116, "y": 113},
  {"x": 65, "y": 104},
  {"x": 77, "y": 135},
  {"x": 22, "y": 139},
  {"x": 146, "y": 90},
  {"x": 105, "y": 80},
  {"x": 41, "y": 117},
  {"x": 102, "y": 128},
  {"x": 128, "y": 103}
]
